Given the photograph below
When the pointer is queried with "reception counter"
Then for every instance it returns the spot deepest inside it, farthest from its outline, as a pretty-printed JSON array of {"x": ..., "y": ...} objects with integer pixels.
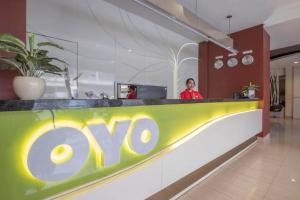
[{"x": 117, "y": 149}]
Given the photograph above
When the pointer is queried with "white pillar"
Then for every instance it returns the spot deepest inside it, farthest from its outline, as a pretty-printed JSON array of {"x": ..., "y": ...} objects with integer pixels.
[
  {"x": 175, "y": 82},
  {"x": 296, "y": 93},
  {"x": 289, "y": 91}
]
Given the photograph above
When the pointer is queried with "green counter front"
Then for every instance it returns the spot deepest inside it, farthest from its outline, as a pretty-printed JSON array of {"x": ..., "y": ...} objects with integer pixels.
[{"x": 45, "y": 153}]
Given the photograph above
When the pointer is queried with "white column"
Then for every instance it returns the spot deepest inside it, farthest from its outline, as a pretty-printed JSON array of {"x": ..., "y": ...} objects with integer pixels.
[
  {"x": 289, "y": 91},
  {"x": 296, "y": 101}
]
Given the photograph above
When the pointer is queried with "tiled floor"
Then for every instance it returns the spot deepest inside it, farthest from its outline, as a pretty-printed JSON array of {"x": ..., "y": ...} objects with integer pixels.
[{"x": 269, "y": 171}]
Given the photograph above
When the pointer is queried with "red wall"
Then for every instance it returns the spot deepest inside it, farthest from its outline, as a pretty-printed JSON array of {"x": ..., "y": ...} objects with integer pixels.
[
  {"x": 12, "y": 20},
  {"x": 224, "y": 82},
  {"x": 13, "y": 17},
  {"x": 6, "y": 88},
  {"x": 266, "y": 83}
]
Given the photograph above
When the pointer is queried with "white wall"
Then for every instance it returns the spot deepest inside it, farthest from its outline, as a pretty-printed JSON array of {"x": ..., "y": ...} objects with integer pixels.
[{"x": 123, "y": 46}]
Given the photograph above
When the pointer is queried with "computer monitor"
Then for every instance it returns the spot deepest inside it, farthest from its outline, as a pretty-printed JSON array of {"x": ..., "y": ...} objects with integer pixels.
[
  {"x": 142, "y": 91},
  {"x": 151, "y": 92}
]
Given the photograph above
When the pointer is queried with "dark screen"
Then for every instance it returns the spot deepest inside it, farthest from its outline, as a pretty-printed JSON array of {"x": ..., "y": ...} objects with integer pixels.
[{"x": 151, "y": 92}]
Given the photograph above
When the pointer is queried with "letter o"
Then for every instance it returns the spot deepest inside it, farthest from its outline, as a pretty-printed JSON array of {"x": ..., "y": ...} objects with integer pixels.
[
  {"x": 39, "y": 160},
  {"x": 136, "y": 142}
]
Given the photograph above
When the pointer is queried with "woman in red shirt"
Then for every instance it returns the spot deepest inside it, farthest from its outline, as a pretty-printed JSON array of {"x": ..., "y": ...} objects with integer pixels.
[
  {"x": 189, "y": 92},
  {"x": 132, "y": 92}
]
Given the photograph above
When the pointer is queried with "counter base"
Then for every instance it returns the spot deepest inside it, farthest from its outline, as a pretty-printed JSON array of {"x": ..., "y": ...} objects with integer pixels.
[{"x": 187, "y": 181}]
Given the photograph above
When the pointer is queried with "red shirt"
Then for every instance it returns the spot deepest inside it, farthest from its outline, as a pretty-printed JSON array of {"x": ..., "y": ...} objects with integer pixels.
[
  {"x": 131, "y": 95},
  {"x": 190, "y": 95}
]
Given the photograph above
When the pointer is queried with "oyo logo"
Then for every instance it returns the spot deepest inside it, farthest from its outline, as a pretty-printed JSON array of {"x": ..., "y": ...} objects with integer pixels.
[{"x": 62, "y": 152}]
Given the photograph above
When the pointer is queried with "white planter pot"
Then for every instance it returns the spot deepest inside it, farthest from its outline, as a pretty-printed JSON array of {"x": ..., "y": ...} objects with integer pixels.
[
  {"x": 29, "y": 88},
  {"x": 251, "y": 94}
]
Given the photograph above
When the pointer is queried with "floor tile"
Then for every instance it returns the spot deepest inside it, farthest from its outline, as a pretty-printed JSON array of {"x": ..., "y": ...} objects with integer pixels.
[
  {"x": 184, "y": 197},
  {"x": 269, "y": 171}
]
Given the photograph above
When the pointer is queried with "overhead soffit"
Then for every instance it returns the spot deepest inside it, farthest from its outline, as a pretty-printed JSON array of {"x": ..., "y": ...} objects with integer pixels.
[{"x": 177, "y": 18}]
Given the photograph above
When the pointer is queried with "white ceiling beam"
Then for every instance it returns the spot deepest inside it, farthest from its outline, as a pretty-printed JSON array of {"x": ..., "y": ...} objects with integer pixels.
[{"x": 177, "y": 18}]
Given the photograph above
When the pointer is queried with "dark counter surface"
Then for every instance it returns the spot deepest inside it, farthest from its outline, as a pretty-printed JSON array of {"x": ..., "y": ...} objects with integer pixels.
[{"x": 52, "y": 104}]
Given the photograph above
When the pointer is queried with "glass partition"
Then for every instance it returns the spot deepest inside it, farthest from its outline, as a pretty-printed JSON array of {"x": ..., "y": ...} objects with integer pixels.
[{"x": 105, "y": 44}]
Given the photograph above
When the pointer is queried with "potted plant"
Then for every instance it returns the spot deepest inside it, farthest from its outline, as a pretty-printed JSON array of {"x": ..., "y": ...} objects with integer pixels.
[
  {"x": 31, "y": 63},
  {"x": 250, "y": 90}
]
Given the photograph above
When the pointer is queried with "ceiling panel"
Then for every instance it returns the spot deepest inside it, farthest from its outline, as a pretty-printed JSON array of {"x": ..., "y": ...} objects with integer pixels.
[
  {"x": 282, "y": 17},
  {"x": 287, "y": 61}
]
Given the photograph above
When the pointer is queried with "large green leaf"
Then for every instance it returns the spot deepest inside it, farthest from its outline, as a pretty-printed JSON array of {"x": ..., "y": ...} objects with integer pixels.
[
  {"x": 50, "y": 44},
  {"x": 12, "y": 49},
  {"x": 59, "y": 60},
  {"x": 31, "y": 44},
  {"x": 50, "y": 68},
  {"x": 15, "y": 49},
  {"x": 32, "y": 62},
  {"x": 12, "y": 44},
  {"x": 50, "y": 59},
  {"x": 21, "y": 59},
  {"x": 5, "y": 37},
  {"x": 12, "y": 62},
  {"x": 41, "y": 52},
  {"x": 51, "y": 72}
]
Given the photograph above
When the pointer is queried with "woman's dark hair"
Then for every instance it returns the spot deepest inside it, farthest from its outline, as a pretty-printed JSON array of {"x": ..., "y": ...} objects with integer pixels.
[
  {"x": 132, "y": 87},
  {"x": 190, "y": 79}
]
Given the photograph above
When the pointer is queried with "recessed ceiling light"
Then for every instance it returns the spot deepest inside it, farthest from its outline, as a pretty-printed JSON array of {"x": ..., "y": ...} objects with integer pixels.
[
  {"x": 129, "y": 50},
  {"x": 296, "y": 62}
]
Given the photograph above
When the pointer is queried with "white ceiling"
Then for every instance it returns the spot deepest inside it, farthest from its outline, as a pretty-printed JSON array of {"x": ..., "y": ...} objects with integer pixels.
[
  {"x": 284, "y": 25},
  {"x": 287, "y": 61},
  {"x": 215, "y": 12},
  {"x": 281, "y": 17},
  {"x": 285, "y": 34}
]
